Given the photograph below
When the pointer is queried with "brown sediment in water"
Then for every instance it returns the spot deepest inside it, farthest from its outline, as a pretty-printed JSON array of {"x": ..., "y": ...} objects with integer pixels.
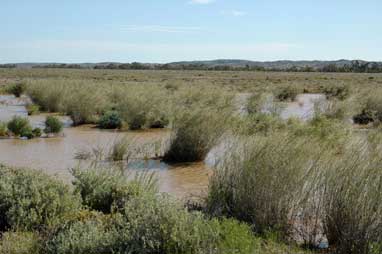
[{"x": 56, "y": 156}]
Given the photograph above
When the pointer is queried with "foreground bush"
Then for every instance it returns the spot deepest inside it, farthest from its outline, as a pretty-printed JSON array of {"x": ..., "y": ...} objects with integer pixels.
[
  {"x": 31, "y": 200},
  {"x": 107, "y": 189},
  {"x": 180, "y": 231},
  {"x": 20, "y": 243},
  {"x": 89, "y": 233},
  {"x": 53, "y": 125}
]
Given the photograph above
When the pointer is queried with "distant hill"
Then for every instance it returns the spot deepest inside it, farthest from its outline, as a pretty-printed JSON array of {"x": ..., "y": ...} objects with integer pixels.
[
  {"x": 222, "y": 64},
  {"x": 281, "y": 64}
]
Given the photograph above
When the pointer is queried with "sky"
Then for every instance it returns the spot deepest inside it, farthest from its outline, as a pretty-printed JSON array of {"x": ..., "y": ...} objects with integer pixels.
[{"x": 179, "y": 30}]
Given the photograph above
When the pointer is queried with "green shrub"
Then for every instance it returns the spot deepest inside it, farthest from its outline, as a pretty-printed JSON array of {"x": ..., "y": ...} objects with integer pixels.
[
  {"x": 287, "y": 93},
  {"x": 33, "y": 109},
  {"x": 53, "y": 125},
  {"x": 160, "y": 225},
  {"x": 340, "y": 92},
  {"x": 20, "y": 243},
  {"x": 17, "y": 89},
  {"x": 105, "y": 189},
  {"x": 37, "y": 132},
  {"x": 3, "y": 129},
  {"x": 93, "y": 233},
  {"x": 32, "y": 200},
  {"x": 235, "y": 237},
  {"x": 20, "y": 126},
  {"x": 110, "y": 120}
]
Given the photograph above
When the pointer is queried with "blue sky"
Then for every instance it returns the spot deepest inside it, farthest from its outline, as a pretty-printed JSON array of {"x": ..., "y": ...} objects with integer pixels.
[{"x": 175, "y": 30}]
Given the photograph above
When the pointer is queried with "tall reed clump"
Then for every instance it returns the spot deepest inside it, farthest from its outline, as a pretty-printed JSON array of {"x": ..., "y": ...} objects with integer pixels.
[
  {"x": 142, "y": 107},
  {"x": 83, "y": 101},
  {"x": 194, "y": 134},
  {"x": 261, "y": 180},
  {"x": 351, "y": 195}
]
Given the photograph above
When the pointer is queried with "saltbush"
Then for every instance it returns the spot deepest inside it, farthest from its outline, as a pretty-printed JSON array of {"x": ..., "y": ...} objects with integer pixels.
[
  {"x": 20, "y": 243},
  {"x": 37, "y": 132},
  {"x": 32, "y": 200},
  {"x": 89, "y": 233},
  {"x": 53, "y": 125},
  {"x": 159, "y": 225},
  {"x": 20, "y": 126},
  {"x": 107, "y": 189},
  {"x": 110, "y": 120}
]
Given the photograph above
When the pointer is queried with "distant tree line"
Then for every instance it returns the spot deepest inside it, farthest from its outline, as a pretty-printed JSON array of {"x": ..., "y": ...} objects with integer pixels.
[
  {"x": 8, "y": 66},
  {"x": 353, "y": 66}
]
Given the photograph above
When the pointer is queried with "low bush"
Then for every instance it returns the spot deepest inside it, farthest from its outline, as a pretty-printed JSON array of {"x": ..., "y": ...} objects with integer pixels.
[
  {"x": 340, "y": 92},
  {"x": 20, "y": 243},
  {"x": 33, "y": 109},
  {"x": 17, "y": 89},
  {"x": 105, "y": 189},
  {"x": 287, "y": 93},
  {"x": 110, "y": 120},
  {"x": 53, "y": 125},
  {"x": 91, "y": 233},
  {"x": 20, "y": 126},
  {"x": 32, "y": 200},
  {"x": 37, "y": 132},
  {"x": 180, "y": 231},
  {"x": 371, "y": 110}
]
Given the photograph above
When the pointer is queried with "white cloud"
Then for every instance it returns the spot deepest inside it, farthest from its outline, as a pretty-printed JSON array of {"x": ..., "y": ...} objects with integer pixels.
[
  {"x": 235, "y": 13},
  {"x": 160, "y": 29},
  {"x": 201, "y": 1}
]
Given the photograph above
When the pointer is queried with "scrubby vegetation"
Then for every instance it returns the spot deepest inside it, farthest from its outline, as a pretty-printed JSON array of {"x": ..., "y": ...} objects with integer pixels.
[
  {"x": 17, "y": 89},
  {"x": 53, "y": 125},
  {"x": 110, "y": 120},
  {"x": 20, "y": 126},
  {"x": 278, "y": 185},
  {"x": 106, "y": 214}
]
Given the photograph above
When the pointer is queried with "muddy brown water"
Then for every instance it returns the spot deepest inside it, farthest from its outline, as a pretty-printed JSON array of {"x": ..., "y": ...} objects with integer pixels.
[{"x": 56, "y": 156}]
